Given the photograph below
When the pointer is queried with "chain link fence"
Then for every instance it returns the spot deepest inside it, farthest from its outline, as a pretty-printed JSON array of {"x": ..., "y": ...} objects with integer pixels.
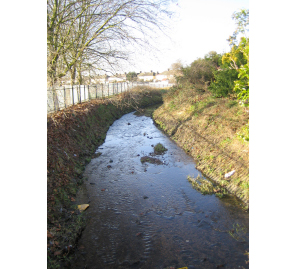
[{"x": 62, "y": 97}]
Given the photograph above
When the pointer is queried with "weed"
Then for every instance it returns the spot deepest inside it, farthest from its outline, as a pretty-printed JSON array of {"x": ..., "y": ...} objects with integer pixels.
[
  {"x": 238, "y": 232},
  {"x": 245, "y": 185},
  {"x": 206, "y": 187},
  {"x": 159, "y": 149},
  {"x": 172, "y": 106},
  {"x": 210, "y": 157},
  {"x": 231, "y": 103},
  {"x": 96, "y": 155},
  {"x": 243, "y": 134},
  {"x": 210, "y": 170},
  {"x": 147, "y": 159},
  {"x": 87, "y": 160},
  {"x": 193, "y": 107},
  {"x": 225, "y": 141}
]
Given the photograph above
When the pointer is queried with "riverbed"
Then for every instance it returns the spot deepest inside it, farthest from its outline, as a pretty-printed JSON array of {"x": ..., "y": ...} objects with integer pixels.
[{"x": 145, "y": 215}]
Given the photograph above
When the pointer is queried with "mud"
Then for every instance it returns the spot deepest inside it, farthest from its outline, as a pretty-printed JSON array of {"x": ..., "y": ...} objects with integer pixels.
[{"x": 143, "y": 215}]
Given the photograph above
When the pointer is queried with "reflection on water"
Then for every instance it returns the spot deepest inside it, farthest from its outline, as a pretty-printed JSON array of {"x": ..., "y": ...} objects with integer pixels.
[{"x": 148, "y": 215}]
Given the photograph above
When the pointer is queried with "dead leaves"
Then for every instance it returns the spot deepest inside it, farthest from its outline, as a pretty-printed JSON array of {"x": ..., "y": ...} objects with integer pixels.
[
  {"x": 57, "y": 253},
  {"x": 83, "y": 207},
  {"x": 49, "y": 235}
]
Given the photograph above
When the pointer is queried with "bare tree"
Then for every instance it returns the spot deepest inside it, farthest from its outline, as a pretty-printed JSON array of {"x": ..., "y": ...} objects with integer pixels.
[{"x": 98, "y": 33}]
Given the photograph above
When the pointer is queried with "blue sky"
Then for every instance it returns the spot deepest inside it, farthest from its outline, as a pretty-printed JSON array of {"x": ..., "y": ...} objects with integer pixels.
[{"x": 199, "y": 26}]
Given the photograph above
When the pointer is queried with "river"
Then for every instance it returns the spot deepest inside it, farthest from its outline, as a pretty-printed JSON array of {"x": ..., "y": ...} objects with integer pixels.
[{"x": 145, "y": 215}]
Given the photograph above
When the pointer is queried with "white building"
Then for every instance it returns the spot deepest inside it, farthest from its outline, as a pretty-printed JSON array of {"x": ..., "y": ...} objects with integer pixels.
[
  {"x": 102, "y": 79},
  {"x": 117, "y": 78},
  {"x": 166, "y": 75},
  {"x": 148, "y": 76}
]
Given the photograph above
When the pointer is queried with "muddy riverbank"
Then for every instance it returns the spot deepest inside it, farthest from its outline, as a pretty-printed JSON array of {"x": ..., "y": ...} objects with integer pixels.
[{"x": 147, "y": 215}]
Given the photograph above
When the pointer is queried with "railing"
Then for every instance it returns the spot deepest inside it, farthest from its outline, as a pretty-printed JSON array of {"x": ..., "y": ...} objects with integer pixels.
[{"x": 65, "y": 96}]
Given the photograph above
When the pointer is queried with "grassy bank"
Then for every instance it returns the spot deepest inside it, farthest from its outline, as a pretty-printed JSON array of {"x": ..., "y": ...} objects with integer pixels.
[
  {"x": 214, "y": 131},
  {"x": 73, "y": 135}
]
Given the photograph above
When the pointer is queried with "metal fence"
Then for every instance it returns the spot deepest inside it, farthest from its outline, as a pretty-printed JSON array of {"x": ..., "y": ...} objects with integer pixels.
[{"x": 65, "y": 96}]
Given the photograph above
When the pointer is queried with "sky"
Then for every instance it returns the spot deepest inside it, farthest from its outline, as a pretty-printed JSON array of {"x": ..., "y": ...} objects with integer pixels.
[{"x": 199, "y": 26}]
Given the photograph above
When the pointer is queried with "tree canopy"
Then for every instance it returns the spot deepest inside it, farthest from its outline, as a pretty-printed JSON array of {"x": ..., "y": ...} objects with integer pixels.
[
  {"x": 131, "y": 76},
  {"x": 98, "y": 34}
]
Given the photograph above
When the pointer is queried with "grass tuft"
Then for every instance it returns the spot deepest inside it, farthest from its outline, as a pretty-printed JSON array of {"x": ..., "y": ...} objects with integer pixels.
[{"x": 159, "y": 149}]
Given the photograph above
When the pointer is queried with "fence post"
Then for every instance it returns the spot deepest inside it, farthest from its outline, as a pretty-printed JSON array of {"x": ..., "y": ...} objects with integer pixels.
[
  {"x": 65, "y": 100},
  {"x": 80, "y": 94},
  {"x": 53, "y": 99},
  {"x": 84, "y": 94},
  {"x": 73, "y": 95},
  {"x": 88, "y": 94}
]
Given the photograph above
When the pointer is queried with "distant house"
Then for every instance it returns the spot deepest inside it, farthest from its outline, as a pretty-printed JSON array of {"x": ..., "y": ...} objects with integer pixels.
[
  {"x": 147, "y": 76},
  {"x": 164, "y": 76},
  {"x": 102, "y": 79},
  {"x": 117, "y": 78}
]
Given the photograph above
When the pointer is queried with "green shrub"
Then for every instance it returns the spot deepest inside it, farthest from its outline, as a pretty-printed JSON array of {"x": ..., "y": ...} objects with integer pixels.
[
  {"x": 200, "y": 70},
  {"x": 223, "y": 83}
]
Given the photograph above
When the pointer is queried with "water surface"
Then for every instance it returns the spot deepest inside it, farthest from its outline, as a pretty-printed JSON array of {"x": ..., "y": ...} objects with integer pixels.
[{"x": 148, "y": 215}]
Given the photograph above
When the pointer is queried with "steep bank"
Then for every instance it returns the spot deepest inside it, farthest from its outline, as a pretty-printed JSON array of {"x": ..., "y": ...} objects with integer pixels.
[
  {"x": 73, "y": 135},
  {"x": 214, "y": 131}
]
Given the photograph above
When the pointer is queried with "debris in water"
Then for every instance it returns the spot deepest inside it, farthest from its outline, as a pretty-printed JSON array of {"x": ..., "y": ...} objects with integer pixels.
[
  {"x": 83, "y": 207},
  {"x": 150, "y": 160},
  {"x": 229, "y": 174}
]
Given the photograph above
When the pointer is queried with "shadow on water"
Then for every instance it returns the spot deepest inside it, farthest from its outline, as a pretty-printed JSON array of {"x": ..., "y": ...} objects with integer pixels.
[{"x": 145, "y": 215}]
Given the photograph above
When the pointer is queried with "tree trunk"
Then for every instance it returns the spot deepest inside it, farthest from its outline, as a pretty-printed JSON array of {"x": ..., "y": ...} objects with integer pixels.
[{"x": 73, "y": 75}]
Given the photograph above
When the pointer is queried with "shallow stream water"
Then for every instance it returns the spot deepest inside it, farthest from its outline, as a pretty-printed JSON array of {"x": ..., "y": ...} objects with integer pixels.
[{"x": 144, "y": 215}]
